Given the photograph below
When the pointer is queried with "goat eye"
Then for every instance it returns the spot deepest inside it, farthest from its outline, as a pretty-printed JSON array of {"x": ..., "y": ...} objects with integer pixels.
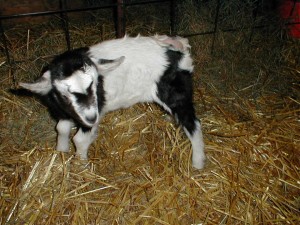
[
  {"x": 79, "y": 96},
  {"x": 89, "y": 89}
]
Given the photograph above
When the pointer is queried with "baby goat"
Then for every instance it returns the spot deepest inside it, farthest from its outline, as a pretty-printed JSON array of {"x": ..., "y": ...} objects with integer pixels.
[{"x": 81, "y": 85}]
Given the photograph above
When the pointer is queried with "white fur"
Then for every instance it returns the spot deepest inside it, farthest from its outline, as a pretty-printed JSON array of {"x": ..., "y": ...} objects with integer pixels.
[
  {"x": 43, "y": 86},
  {"x": 135, "y": 79},
  {"x": 78, "y": 82},
  {"x": 83, "y": 140},
  {"x": 174, "y": 43},
  {"x": 63, "y": 128},
  {"x": 198, "y": 156}
]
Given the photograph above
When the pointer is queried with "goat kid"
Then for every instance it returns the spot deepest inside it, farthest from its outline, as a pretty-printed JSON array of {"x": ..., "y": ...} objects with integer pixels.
[{"x": 81, "y": 85}]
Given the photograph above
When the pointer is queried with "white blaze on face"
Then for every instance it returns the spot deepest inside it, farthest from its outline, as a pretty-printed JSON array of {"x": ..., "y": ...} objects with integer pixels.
[
  {"x": 84, "y": 83},
  {"x": 81, "y": 80}
]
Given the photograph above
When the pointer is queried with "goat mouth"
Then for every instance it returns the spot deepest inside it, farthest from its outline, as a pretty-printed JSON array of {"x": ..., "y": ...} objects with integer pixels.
[
  {"x": 91, "y": 119},
  {"x": 87, "y": 124}
]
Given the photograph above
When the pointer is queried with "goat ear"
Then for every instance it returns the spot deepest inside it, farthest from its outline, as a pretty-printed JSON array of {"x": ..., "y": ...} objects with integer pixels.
[
  {"x": 105, "y": 65},
  {"x": 42, "y": 86}
]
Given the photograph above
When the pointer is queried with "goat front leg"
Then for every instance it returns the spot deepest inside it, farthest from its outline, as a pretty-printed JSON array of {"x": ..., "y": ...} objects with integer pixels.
[
  {"x": 83, "y": 139},
  {"x": 63, "y": 128}
]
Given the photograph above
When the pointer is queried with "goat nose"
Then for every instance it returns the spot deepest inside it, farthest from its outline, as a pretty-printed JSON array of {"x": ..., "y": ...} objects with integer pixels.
[{"x": 91, "y": 119}]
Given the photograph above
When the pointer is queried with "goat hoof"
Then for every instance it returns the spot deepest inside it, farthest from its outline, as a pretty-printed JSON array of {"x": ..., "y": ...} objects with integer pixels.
[{"x": 198, "y": 163}]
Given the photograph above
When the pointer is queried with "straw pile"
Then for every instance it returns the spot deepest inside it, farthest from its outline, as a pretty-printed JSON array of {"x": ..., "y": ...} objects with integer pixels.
[{"x": 139, "y": 172}]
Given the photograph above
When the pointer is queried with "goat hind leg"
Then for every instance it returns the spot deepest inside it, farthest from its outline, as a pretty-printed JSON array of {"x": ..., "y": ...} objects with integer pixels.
[
  {"x": 185, "y": 115},
  {"x": 196, "y": 138}
]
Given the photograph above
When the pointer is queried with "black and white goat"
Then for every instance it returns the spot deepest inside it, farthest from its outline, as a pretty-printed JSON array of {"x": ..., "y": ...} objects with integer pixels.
[{"x": 81, "y": 85}]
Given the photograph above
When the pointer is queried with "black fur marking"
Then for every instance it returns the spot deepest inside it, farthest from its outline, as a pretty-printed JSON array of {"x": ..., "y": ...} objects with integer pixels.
[
  {"x": 175, "y": 89},
  {"x": 100, "y": 93},
  {"x": 22, "y": 92},
  {"x": 105, "y": 61},
  {"x": 66, "y": 63},
  {"x": 85, "y": 99},
  {"x": 85, "y": 129},
  {"x": 56, "y": 108},
  {"x": 82, "y": 99}
]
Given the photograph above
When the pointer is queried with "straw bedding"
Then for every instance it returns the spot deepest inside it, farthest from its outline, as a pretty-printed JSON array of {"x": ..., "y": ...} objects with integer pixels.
[{"x": 139, "y": 171}]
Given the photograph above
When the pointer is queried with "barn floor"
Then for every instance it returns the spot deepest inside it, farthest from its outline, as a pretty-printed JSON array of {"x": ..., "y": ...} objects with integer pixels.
[{"x": 247, "y": 96}]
